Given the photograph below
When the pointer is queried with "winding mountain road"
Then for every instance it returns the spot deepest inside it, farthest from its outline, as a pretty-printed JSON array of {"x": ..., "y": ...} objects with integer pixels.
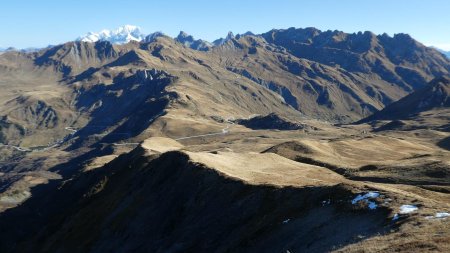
[
  {"x": 74, "y": 131},
  {"x": 224, "y": 131},
  {"x": 49, "y": 146}
]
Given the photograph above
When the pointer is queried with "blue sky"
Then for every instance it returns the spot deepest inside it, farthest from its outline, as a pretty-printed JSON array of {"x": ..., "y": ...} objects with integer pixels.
[{"x": 40, "y": 23}]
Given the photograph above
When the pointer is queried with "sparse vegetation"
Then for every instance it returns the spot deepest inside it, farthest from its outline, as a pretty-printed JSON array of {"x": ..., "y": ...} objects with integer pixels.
[{"x": 248, "y": 145}]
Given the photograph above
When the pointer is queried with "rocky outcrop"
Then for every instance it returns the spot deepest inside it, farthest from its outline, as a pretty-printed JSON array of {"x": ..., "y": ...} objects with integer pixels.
[{"x": 189, "y": 41}]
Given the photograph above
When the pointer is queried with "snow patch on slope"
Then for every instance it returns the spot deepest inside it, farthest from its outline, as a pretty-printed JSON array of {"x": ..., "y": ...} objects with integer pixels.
[
  {"x": 440, "y": 215},
  {"x": 365, "y": 198},
  {"x": 404, "y": 209}
]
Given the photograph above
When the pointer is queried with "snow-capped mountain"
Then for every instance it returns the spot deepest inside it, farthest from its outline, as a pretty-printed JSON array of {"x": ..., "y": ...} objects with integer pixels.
[
  {"x": 127, "y": 33},
  {"x": 121, "y": 35}
]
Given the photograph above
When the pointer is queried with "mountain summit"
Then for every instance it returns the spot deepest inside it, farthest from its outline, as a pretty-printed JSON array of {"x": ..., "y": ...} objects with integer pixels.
[
  {"x": 121, "y": 35},
  {"x": 222, "y": 41},
  {"x": 189, "y": 41}
]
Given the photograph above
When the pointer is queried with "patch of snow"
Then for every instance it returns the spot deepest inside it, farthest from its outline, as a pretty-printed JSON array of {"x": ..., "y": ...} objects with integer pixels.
[
  {"x": 370, "y": 195},
  {"x": 326, "y": 202},
  {"x": 442, "y": 215},
  {"x": 396, "y": 216},
  {"x": 372, "y": 205},
  {"x": 286, "y": 221},
  {"x": 404, "y": 209}
]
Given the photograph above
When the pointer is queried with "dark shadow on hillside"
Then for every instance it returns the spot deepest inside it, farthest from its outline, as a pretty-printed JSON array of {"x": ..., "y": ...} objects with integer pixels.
[
  {"x": 131, "y": 103},
  {"x": 19, "y": 223},
  {"x": 444, "y": 143},
  {"x": 138, "y": 204}
]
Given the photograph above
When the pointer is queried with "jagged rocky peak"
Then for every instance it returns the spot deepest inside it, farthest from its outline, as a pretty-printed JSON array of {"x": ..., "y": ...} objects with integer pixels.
[
  {"x": 248, "y": 33},
  {"x": 155, "y": 79},
  {"x": 230, "y": 36},
  {"x": 189, "y": 41},
  {"x": 184, "y": 37},
  {"x": 153, "y": 36},
  {"x": 222, "y": 41}
]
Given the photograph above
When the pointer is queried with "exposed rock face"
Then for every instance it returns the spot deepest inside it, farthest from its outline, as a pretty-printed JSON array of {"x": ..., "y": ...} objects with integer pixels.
[
  {"x": 284, "y": 92},
  {"x": 148, "y": 75},
  {"x": 153, "y": 36},
  {"x": 27, "y": 116},
  {"x": 333, "y": 74},
  {"x": 189, "y": 41},
  {"x": 399, "y": 59},
  {"x": 74, "y": 57},
  {"x": 36, "y": 112},
  {"x": 230, "y": 36}
]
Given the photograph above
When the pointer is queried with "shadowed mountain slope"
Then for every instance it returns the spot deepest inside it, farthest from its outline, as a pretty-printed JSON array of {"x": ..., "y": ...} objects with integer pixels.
[
  {"x": 433, "y": 96},
  {"x": 141, "y": 202}
]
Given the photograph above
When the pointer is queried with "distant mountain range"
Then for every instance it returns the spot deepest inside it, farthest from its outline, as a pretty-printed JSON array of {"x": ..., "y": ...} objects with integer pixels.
[
  {"x": 23, "y": 50},
  {"x": 447, "y": 53},
  {"x": 123, "y": 141},
  {"x": 325, "y": 75},
  {"x": 127, "y": 33}
]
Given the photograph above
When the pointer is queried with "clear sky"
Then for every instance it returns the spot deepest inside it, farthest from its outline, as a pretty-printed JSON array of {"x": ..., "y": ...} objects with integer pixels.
[{"x": 32, "y": 23}]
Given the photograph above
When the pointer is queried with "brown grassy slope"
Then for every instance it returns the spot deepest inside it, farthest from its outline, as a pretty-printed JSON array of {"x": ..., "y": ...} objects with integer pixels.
[
  {"x": 317, "y": 90},
  {"x": 387, "y": 159},
  {"x": 92, "y": 78},
  {"x": 176, "y": 195},
  {"x": 375, "y": 71},
  {"x": 223, "y": 202}
]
